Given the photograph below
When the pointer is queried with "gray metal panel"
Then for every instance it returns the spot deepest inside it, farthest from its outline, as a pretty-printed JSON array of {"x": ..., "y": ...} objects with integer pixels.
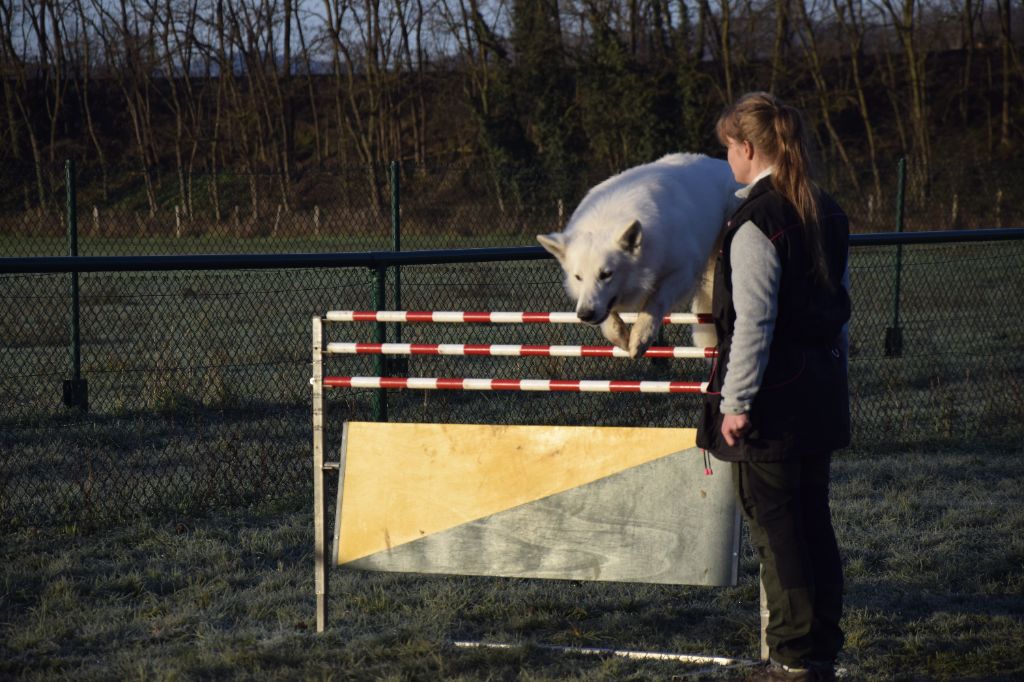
[{"x": 661, "y": 522}]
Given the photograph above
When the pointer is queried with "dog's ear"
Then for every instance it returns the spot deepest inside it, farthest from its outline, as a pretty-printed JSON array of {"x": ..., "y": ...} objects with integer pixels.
[
  {"x": 630, "y": 238},
  {"x": 553, "y": 243}
]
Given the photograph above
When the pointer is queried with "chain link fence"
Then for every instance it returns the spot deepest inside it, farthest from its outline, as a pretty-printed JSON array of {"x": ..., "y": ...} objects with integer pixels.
[{"x": 198, "y": 381}]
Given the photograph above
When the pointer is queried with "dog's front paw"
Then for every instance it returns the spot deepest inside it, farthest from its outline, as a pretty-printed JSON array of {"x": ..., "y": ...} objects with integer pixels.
[
  {"x": 614, "y": 329},
  {"x": 643, "y": 333}
]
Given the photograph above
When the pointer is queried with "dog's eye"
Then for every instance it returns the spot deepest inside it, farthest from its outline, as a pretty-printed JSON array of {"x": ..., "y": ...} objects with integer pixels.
[
  {"x": 578, "y": 278},
  {"x": 604, "y": 274}
]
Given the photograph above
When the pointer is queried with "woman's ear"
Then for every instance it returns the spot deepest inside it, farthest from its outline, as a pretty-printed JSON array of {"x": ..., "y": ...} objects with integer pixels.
[{"x": 748, "y": 150}]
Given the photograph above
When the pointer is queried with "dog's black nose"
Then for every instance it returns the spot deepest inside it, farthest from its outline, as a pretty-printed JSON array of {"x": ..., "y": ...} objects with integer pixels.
[{"x": 585, "y": 314}]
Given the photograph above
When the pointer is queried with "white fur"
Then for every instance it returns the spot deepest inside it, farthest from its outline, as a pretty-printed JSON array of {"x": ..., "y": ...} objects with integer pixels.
[{"x": 643, "y": 240}]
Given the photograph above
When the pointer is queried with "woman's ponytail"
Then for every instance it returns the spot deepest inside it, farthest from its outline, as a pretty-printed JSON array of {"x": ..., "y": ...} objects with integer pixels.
[{"x": 777, "y": 131}]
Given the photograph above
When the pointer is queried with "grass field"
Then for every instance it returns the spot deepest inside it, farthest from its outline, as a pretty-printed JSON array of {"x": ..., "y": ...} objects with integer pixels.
[
  {"x": 166, "y": 533},
  {"x": 933, "y": 549}
]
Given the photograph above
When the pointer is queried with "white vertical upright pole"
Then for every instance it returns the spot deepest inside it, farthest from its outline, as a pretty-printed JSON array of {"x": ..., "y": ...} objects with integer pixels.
[
  {"x": 319, "y": 525},
  {"x": 764, "y": 618}
]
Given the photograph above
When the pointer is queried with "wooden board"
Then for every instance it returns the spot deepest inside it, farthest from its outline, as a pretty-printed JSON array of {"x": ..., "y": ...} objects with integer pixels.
[{"x": 593, "y": 503}]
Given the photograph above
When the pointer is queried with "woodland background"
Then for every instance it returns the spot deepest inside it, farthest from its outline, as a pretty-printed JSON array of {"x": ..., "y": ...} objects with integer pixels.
[{"x": 215, "y": 112}]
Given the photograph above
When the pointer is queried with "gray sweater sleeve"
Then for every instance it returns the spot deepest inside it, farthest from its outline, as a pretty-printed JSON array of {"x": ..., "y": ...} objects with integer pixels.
[{"x": 756, "y": 272}]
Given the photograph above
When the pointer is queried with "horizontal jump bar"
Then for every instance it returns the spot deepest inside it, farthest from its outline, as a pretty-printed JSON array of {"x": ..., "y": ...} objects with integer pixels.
[
  {"x": 622, "y": 653},
  {"x": 567, "y": 385},
  {"x": 457, "y": 316},
  {"x": 514, "y": 350}
]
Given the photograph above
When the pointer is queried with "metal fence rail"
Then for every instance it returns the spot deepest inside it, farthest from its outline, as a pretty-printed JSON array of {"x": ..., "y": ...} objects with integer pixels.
[{"x": 195, "y": 369}]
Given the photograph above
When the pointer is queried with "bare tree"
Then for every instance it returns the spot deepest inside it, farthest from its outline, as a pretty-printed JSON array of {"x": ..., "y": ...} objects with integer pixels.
[
  {"x": 245, "y": 120},
  {"x": 969, "y": 12},
  {"x": 215, "y": 84},
  {"x": 1008, "y": 54},
  {"x": 824, "y": 90},
  {"x": 53, "y": 64},
  {"x": 19, "y": 86},
  {"x": 849, "y": 16},
  {"x": 177, "y": 35},
  {"x": 780, "y": 46},
  {"x": 83, "y": 83},
  {"x": 725, "y": 50},
  {"x": 127, "y": 43},
  {"x": 366, "y": 43},
  {"x": 903, "y": 17},
  {"x": 356, "y": 115},
  {"x": 305, "y": 50},
  {"x": 486, "y": 63},
  {"x": 413, "y": 61}
]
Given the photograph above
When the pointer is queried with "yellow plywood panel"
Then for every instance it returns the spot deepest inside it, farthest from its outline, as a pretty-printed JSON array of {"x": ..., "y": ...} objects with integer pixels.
[{"x": 402, "y": 482}]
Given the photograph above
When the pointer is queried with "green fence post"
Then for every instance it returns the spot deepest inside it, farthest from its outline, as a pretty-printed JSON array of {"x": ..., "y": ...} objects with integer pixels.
[
  {"x": 894, "y": 334},
  {"x": 398, "y": 366},
  {"x": 76, "y": 390},
  {"x": 380, "y": 401}
]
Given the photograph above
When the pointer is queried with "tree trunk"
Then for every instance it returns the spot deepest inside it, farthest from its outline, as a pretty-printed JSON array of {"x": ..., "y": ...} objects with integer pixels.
[
  {"x": 821, "y": 87},
  {"x": 904, "y": 22},
  {"x": 1007, "y": 52},
  {"x": 849, "y": 14},
  {"x": 780, "y": 47}
]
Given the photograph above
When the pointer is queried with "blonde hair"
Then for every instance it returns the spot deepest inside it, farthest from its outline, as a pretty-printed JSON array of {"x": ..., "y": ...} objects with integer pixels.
[{"x": 777, "y": 132}]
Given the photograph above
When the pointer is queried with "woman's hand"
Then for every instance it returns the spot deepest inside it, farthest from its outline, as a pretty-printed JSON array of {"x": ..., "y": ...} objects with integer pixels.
[{"x": 734, "y": 427}]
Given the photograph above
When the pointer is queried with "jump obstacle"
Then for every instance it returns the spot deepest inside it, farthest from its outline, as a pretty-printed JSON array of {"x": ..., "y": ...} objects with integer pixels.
[{"x": 561, "y": 502}]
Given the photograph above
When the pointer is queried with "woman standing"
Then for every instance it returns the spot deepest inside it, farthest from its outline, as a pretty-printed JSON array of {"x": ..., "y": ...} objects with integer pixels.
[{"x": 777, "y": 403}]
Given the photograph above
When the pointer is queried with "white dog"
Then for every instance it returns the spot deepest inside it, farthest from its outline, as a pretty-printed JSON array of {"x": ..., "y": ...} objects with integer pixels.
[{"x": 643, "y": 240}]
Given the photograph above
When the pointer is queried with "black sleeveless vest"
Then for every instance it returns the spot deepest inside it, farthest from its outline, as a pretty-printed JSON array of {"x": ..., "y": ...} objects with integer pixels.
[{"x": 802, "y": 407}]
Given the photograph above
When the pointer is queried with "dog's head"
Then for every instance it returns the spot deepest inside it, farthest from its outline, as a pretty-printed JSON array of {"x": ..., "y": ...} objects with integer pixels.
[{"x": 599, "y": 269}]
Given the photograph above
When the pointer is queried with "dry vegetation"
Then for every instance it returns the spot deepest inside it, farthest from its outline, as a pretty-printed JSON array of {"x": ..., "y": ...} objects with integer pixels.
[{"x": 221, "y": 117}]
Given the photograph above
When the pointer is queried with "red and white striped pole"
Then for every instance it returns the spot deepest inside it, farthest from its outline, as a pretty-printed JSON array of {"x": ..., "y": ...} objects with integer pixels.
[
  {"x": 513, "y": 350},
  {"x": 543, "y": 385},
  {"x": 491, "y": 317}
]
